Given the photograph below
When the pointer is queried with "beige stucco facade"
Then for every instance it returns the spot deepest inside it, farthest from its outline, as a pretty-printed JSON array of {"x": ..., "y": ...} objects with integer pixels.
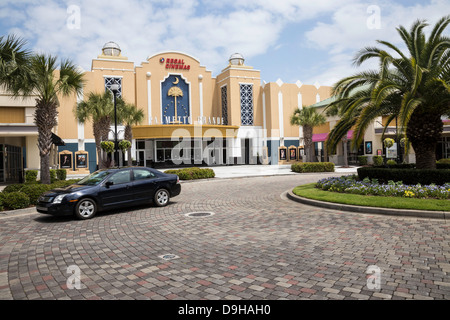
[{"x": 227, "y": 118}]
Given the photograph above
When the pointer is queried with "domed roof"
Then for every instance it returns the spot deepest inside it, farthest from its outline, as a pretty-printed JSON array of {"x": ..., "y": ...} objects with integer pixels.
[
  {"x": 111, "y": 49},
  {"x": 236, "y": 59}
]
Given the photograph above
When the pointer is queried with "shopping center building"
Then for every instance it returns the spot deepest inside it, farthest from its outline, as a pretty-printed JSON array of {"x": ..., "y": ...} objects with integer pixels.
[{"x": 191, "y": 117}]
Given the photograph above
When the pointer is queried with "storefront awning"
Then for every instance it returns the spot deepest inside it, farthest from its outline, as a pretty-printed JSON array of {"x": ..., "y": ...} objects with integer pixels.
[
  {"x": 57, "y": 141},
  {"x": 320, "y": 137}
]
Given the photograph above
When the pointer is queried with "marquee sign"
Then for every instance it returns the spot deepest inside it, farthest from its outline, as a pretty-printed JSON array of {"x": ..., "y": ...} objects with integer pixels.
[{"x": 177, "y": 64}]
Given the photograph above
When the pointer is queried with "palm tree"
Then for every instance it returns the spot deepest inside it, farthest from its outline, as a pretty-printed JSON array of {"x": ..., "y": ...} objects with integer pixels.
[
  {"x": 129, "y": 116},
  {"x": 15, "y": 68},
  {"x": 308, "y": 118},
  {"x": 412, "y": 87},
  {"x": 98, "y": 108},
  {"x": 48, "y": 84}
]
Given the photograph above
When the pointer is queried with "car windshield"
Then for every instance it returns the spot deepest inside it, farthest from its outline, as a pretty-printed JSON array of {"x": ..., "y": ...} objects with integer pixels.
[{"x": 94, "y": 178}]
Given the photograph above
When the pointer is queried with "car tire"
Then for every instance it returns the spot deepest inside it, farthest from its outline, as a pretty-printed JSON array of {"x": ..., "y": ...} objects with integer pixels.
[
  {"x": 85, "y": 209},
  {"x": 161, "y": 198}
]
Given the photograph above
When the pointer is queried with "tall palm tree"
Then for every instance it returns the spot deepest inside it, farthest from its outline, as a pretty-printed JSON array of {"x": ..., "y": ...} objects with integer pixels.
[
  {"x": 308, "y": 118},
  {"x": 15, "y": 67},
  {"x": 48, "y": 83},
  {"x": 129, "y": 116},
  {"x": 98, "y": 108},
  {"x": 412, "y": 87}
]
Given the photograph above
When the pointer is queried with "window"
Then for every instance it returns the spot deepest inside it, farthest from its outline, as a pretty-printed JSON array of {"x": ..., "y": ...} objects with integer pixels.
[
  {"x": 110, "y": 81},
  {"x": 140, "y": 174},
  {"x": 246, "y": 104},
  {"x": 224, "y": 105},
  {"x": 120, "y": 177}
]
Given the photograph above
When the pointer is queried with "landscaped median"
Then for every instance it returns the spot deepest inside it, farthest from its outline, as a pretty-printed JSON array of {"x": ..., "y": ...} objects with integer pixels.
[{"x": 438, "y": 207}]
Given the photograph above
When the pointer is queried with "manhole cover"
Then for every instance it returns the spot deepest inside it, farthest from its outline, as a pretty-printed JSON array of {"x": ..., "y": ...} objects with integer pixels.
[
  {"x": 199, "y": 214},
  {"x": 169, "y": 256}
]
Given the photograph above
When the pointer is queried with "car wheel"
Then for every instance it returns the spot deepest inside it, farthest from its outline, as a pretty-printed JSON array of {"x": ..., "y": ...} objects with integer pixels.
[
  {"x": 162, "y": 197},
  {"x": 85, "y": 209}
]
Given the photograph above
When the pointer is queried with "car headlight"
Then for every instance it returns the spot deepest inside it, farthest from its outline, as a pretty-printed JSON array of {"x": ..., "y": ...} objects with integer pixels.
[{"x": 59, "y": 198}]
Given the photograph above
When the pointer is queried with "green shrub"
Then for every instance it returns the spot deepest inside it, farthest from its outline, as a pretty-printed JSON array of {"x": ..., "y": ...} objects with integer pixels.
[
  {"x": 2, "y": 199},
  {"x": 302, "y": 167},
  {"x": 52, "y": 175},
  {"x": 16, "y": 200},
  {"x": 408, "y": 176},
  {"x": 377, "y": 160},
  {"x": 34, "y": 191},
  {"x": 443, "y": 164},
  {"x": 30, "y": 176},
  {"x": 362, "y": 160},
  {"x": 192, "y": 173},
  {"x": 61, "y": 174},
  {"x": 391, "y": 162},
  {"x": 13, "y": 188}
]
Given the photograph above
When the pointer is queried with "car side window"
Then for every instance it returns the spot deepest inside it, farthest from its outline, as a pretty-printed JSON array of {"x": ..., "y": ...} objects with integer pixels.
[
  {"x": 140, "y": 174},
  {"x": 120, "y": 177}
]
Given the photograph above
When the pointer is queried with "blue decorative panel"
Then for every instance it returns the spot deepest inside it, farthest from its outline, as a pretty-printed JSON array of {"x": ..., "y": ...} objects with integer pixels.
[
  {"x": 246, "y": 104},
  {"x": 175, "y": 100}
]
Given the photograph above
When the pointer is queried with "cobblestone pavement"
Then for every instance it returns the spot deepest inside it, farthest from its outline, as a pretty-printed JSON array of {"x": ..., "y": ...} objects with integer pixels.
[{"x": 256, "y": 245}]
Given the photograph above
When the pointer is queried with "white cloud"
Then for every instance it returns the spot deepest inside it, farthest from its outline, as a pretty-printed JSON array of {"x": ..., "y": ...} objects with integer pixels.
[
  {"x": 209, "y": 30},
  {"x": 348, "y": 32},
  {"x": 212, "y": 30}
]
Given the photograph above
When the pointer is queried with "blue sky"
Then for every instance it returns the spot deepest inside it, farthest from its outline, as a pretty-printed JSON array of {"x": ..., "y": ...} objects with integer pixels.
[{"x": 310, "y": 41}]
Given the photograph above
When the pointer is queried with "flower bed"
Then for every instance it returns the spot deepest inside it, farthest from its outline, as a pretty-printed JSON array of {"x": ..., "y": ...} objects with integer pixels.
[{"x": 350, "y": 184}]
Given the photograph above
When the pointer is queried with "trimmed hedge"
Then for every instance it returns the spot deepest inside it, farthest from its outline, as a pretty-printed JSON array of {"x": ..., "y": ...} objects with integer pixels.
[
  {"x": 362, "y": 160},
  {"x": 192, "y": 173},
  {"x": 2, "y": 199},
  {"x": 30, "y": 191},
  {"x": 407, "y": 176},
  {"x": 34, "y": 191},
  {"x": 31, "y": 176},
  {"x": 61, "y": 174},
  {"x": 16, "y": 200},
  {"x": 303, "y": 167},
  {"x": 377, "y": 160}
]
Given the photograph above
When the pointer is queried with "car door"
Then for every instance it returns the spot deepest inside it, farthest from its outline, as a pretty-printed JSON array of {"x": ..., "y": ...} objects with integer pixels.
[
  {"x": 116, "y": 190},
  {"x": 144, "y": 184}
]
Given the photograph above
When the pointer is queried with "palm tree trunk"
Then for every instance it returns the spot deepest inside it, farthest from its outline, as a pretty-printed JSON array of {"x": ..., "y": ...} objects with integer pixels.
[
  {"x": 344, "y": 143},
  {"x": 424, "y": 130},
  {"x": 45, "y": 119},
  {"x": 309, "y": 146},
  {"x": 128, "y": 135}
]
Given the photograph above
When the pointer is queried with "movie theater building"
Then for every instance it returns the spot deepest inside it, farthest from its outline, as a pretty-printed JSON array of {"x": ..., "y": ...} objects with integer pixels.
[{"x": 191, "y": 116}]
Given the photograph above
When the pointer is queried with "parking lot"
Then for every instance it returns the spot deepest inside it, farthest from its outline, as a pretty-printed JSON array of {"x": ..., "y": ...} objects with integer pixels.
[{"x": 225, "y": 239}]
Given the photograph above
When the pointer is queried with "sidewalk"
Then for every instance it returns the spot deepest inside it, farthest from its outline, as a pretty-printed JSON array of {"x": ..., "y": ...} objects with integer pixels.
[{"x": 240, "y": 171}]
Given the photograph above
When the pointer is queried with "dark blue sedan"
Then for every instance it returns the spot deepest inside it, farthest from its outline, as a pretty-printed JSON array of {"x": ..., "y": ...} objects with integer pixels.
[{"x": 110, "y": 188}]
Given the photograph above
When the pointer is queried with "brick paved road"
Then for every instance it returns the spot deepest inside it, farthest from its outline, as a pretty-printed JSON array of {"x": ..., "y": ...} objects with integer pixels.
[{"x": 257, "y": 245}]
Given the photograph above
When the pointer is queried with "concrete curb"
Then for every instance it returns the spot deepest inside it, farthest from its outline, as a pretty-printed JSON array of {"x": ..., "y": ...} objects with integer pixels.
[{"x": 371, "y": 210}]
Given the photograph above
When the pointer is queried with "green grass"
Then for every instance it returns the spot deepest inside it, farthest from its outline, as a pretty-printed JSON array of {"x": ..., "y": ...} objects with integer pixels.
[{"x": 310, "y": 192}]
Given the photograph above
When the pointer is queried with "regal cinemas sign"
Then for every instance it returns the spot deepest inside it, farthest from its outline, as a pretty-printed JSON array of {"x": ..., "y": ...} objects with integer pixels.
[{"x": 177, "y": 64}]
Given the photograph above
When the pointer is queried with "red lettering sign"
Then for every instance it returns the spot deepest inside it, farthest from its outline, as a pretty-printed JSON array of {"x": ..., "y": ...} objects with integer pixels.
[{"x": 177, "y": 64}]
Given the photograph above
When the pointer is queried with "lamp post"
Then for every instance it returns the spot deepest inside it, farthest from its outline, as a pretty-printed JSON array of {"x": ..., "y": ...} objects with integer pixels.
[{"x": 115, "y": 88}]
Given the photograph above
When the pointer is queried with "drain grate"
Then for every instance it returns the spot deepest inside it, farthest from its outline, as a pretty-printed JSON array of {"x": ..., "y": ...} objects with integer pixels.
[
  {"x": 169, "y": 256},
  {"x": 199, "y": 214}
]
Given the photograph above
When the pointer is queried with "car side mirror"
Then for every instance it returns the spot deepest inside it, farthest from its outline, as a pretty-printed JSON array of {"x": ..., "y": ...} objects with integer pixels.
[{"x": 108, "y": 184}]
